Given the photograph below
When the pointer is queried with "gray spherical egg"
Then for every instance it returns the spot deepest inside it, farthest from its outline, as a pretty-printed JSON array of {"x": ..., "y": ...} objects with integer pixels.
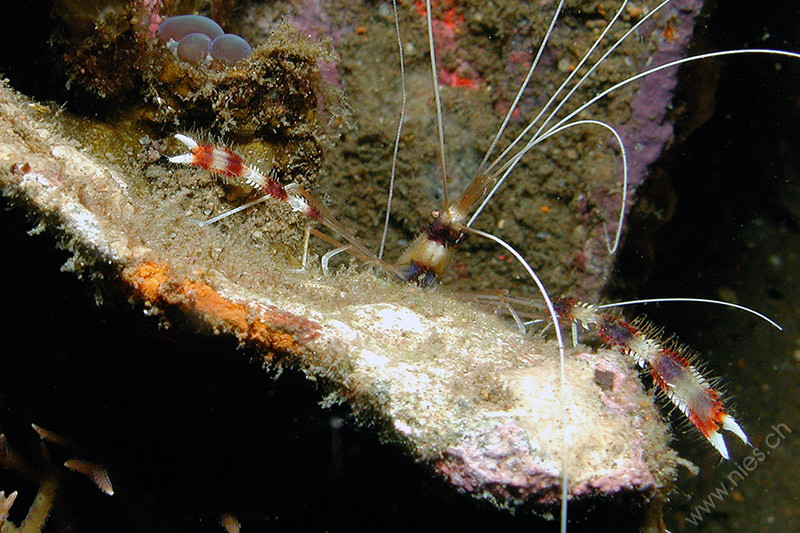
[
  {"x": 194, "y": 47},
  {"x": 178, "y": 27},
  {"x": 229, "y": 48}
]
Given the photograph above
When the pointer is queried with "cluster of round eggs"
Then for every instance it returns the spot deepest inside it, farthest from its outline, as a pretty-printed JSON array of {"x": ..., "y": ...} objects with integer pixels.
[{"x": 200, "y": 40}]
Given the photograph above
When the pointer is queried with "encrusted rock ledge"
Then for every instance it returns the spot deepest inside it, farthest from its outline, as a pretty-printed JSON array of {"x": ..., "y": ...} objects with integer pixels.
[{"x": 455, "y": 387}]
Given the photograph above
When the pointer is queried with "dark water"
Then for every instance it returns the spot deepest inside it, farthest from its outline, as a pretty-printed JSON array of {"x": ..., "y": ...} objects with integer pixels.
[{"x": 735, "y": 235}]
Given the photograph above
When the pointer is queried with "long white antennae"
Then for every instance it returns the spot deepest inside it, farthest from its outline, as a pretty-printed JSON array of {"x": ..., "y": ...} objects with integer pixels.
[
  {"x": 597, "y": 64},
  {"x": 623, "y": 202},
  {"x": 675, "y": 63},
  {"x": 522, "y": 88},
  {"x": 435, "y": 77},
  {"x": 571, "y": 75},
  {"x": 508, "y": 167},
  {"x": 399, "y": 132},
  {"x": 558, "y": 126},
  {"x": 763, "y": 317},
  {"x": 562, "y": 358},
  {"x": 538, "y": 135}
]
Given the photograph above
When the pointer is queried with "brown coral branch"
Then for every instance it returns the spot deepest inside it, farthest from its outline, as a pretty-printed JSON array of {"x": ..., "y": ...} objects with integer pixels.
[{"x": 39, "y": 509}]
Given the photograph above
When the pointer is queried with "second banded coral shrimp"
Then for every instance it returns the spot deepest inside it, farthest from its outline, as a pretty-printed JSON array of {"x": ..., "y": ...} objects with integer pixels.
[{"x": 612, "y": 330}]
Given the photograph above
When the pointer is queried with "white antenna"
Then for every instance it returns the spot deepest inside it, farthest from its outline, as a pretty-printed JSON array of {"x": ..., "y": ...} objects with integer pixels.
[
  {"x": 435, "y": 78},
  {"x": 399, "y": 131}
]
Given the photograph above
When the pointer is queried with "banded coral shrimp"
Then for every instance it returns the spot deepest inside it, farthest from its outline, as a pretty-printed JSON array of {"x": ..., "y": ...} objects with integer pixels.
[
  {"x": 725, "y": 421},
  {"x": 211, "y": 237}
]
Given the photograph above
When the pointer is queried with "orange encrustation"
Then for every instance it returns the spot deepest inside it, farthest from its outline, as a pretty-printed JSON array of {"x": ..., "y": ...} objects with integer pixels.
[{"x": 274, "y": 329}]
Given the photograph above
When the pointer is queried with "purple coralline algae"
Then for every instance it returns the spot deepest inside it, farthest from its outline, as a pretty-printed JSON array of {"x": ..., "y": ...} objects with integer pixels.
[{"x": 649, "y": 128}]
